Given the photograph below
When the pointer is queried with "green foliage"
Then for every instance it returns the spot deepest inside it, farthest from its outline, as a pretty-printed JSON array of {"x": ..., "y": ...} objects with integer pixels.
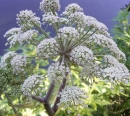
[
  {"x": 11, "y": 84},
  {"x": 121, "y": 32},
  {"x": 103, "y": 100}
]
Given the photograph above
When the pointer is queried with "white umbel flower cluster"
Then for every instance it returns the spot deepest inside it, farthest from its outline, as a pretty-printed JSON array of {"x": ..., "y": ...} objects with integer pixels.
[
  {"x": 120, "y": 73},
  {"x": 50, "y": 18},
  {"x": 108, "y": 43},
  {"x": 101, "y": 40},
  {"x": 72, "y": 8},
  {"x": 56, "y": 72},
  {"x": 27, "y": 36},
  {"x": 26, "y": 18},
  {"x": 47, "y": 48},
  {"x": 91, "y": 70},
  {"x": 13, "y": 40},
  {"x": 12, "y": 31},
  {"x": 81, "y": 55},
  {"x": 110, "y": 60},
  {"x": 89, "y": 20},
  {"x": 68, "y": 33},
  {"x": 5, "y": 60},
  {"x": 78, "y": 18},
  {"x": 21, "y": 38},
  {"x": 49, "y": 5},
  {"x": 63, "y": 21},
  {"x": 31, "y": 85},
  {"x": 115, "y": 70},
  {"x": 54, "y": 19},
  {"x": 18, "y": 64},
  {"x": 72, "y": 96},
  {"x": 100, "y": 26}
]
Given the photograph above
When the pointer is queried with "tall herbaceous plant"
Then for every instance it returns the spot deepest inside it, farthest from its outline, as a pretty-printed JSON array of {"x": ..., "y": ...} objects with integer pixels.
[{"x": 80, "y": 42}]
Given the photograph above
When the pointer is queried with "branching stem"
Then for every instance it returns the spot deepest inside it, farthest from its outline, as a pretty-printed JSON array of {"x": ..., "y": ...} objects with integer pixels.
[
  {"x": 45, "y": 100},
  {"x": 55, "y": 107}
]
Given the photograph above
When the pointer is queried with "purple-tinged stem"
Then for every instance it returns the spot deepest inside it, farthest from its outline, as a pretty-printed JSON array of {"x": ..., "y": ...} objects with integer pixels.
[
  {"x": 55, "y": 107},
  {"x": 45, "y": 100}
]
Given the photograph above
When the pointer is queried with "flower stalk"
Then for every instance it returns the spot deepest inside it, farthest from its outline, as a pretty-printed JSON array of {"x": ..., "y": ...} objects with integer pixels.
[{"x": 11, "y": 104}]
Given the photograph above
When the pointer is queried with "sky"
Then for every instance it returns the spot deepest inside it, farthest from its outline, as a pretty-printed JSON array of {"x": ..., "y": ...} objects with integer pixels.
[{"x": 103, "y": 10}]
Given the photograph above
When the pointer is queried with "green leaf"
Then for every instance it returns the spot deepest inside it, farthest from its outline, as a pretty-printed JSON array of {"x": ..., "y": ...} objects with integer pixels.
[{"x": 25, "y": 105}]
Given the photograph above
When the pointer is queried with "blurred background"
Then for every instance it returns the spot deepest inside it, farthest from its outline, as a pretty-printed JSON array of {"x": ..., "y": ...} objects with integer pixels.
[{"x": 103, "y": 10}]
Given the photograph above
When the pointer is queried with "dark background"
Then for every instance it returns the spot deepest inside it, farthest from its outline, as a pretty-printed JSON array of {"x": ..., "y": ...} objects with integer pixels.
[{"x": 103, "y": 10}]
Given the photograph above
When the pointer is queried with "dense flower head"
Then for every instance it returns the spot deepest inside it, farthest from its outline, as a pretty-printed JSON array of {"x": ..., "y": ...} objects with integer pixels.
[
  {"x": 120, "y": 73},
  {"x": 27, "y": 36},
  {"x": 50, "y": 18},
  {"x": 49, "y": 5},
  {"x": 26, "y": 18},
  {"x": 57, "y": 71},
  {"x": 101, "y": 40},
  {"x": 31, "y": 85},
  {"x": 12, "y": 31},
  {"x": 21, "y": 38},
  {"x": 5, "y": 60},
  {"x": 68, "y": 33},
  {"x": 72, "y": 8},
  {"x": 91, "y": 70},
  {"x": 115, "y": 70},
  {"x": 107, "y": 42},
  {"x": 63, "y": 21},
  {"x": 47, "y": 48},
  {"x": 110, "y": 60},
  {"x": 78, "y": 18},
  {"x": 18, "y": 64},
  {"x": 13, "y": 40},
  {"x": 118, "y": 53},
  {"x": 89, "y": 19},
  {"x": 81, "y": 55},
  {"x": 100, "y": 26},
  {"x": 72, "y": 96}
]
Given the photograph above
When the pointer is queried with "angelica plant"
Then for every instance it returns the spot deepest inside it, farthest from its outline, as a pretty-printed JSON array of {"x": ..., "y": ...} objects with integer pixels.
[{"x": 80, "y": 41}]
